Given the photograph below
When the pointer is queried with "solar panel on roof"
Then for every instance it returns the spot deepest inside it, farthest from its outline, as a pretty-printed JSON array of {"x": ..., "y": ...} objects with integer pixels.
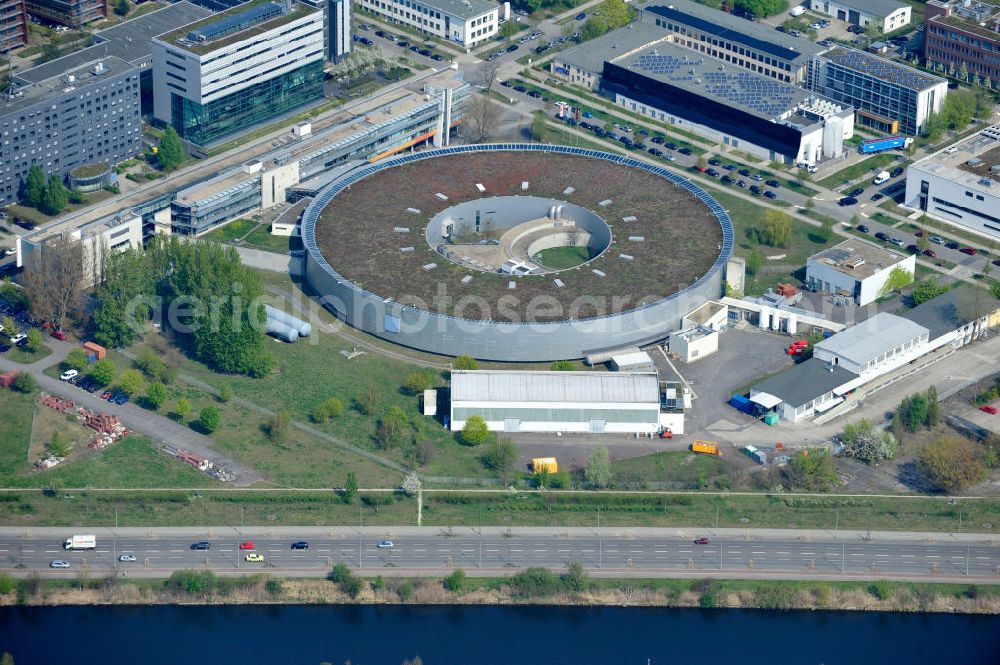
[
  {"x": 236, "y": 22},
  {"x": 881, "y": 69}
]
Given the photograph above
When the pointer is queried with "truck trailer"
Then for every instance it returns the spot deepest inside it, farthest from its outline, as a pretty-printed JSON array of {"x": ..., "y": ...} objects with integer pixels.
[
  {"x": 872, "y": 146},
  {"x": 85, "y": 542}
]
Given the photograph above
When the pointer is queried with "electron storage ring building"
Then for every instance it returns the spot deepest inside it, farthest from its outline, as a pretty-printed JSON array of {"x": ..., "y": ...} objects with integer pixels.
[{"x": 515, "y": 252}]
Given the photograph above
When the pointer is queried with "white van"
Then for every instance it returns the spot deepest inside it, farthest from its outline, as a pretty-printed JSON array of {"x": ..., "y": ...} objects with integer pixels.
[{"x": 883, "y": 176}]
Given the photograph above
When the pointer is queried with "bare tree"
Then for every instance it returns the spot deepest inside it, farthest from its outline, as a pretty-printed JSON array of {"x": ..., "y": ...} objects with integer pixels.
[
  {"x": 52, "y": 281},
  {"x": 481, "y": 116},
  {"x": 488, "y": 71}
]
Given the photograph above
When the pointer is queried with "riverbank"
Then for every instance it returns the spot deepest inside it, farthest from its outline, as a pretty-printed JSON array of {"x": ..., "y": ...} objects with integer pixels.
[{"x": 534, "y": 586}]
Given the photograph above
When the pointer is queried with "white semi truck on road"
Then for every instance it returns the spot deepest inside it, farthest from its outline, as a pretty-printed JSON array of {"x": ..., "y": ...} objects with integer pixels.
[{"x": 86, "y": 542}]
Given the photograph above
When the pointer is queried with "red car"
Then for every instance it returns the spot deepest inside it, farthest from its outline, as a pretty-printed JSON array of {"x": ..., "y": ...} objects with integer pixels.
[
  {"x": 701, "y": 541},
  {"x": 666, "y": 434},
  {"x": 992, "y": 410},
  {"x": 106, "y": 394},
  {"x": 59, "y": 334},
  {"x": 920, "y": 234},
  {"x": 930, "y": 252},
  {"x": 247, "y": 545},
  {"x": 971, "y": 251}
]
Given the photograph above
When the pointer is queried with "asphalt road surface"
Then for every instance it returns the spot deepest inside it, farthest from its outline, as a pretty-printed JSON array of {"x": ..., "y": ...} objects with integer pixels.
[{"x": 430, "y": 549}]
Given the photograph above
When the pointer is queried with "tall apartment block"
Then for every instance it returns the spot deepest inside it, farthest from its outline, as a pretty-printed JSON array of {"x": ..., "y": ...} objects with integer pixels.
[
  {"x": 337, "y": 25},
  {"x": 13, "y": 25},
  {"x": 222, "y": 75},
  {"x": 964, "y": 34},
  {"x": 74, "y": 13},
  {"x": 87, "y": 115}
]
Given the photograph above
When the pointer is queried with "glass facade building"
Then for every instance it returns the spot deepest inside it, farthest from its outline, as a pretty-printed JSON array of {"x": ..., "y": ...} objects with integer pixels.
[{"x": 205, "y": 123}]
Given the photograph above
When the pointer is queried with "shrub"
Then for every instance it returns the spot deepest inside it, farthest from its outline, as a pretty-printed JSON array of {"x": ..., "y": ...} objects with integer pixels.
[
  {"x": 464, "y": 362},
  {"x": 103, "y": 371},
  {"x": 500, "y": 454},
  {"x": 417, "y": 382},
  {"x": 6, "y": 583},
  {"x": 405, "y": 591},
  {"x": 130, "y": 382},
  {"x": 210, "y": 419},
  {"x": 535, "y": 583},
  {"x": 952, "y": 464},
  {"x": 475, "y": 431},
  {"x": 455, "y": 582},
  {"x": 24, "y": 383},
  {"x": 882, "y": 589}
]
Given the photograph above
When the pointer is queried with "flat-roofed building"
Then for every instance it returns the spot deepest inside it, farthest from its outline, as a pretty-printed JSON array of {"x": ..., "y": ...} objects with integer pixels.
[
  {"x": 584, "y": 63},
  {"x": 596, "y": 402},
  {"x": 889, "y": 96},
  {"x": 958, "y": 316},
  {"x": 88, "y": 114},
  {"x": 856, "y": 269},
  {"x": 962, "y": 35},
  {"x": 72, "y": 13},
  {"x": 885, "y": 15},
  {"x": 869, "y": 346},
  {"x": 960, "y": 184},
  {"x": 225, "y": 74},
  {"x": 465, "y": 22}
]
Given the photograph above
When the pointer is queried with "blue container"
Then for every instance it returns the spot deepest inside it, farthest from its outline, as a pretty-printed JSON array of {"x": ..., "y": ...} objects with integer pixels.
[{"x": 742, "y": 403}]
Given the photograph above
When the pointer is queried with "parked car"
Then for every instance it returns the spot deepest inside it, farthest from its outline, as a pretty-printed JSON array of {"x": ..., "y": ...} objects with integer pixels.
[
  {"x": 971, "y": 251},
  {"x": 862, "y": 228},
  {"x": 882, "y": 236},
  {"x": 896, "y": 172},
  {"x": 936, "y": 240},
  {"x": 728, "y": 179},
  {"x": 581, "y": 16},
  {"x": 106, "y": 394},
  {"x": 437, "y": 57},
  {"x": 770, "y": 195},
  {"x": 386, "y": 545},
  {"x": 878, "y": 196},
  {"x": 18, "y": 338},
  {"x": 951, "y": 244},
  {"x": 300, "y": 545},
  {"x": 684, "y": 151},
  {"x": 773, "y": 183},
  {"x": 758, "y": 177},
  {"x": 896, "y": 241},
  {"x": 755, "y": 190},
  {"x": 658, "y": 139},
  {"x": 672, "y": 146},
  {"x": 68, "y": 374},
  {"x": 59, "y": 335},
  {"x": 847, "y": 201},
  {"x": 856, "y": 192},
  {"x": 930, "y": 252},
  {"x": 992, "y": 410},
  {"x": 913, "y": 249},
  {"x": 745, "y": 173},
  {"x": 535, "y": 94},
  {"x": 713, "y": 173},
  {"x": 715, "y": 162}
]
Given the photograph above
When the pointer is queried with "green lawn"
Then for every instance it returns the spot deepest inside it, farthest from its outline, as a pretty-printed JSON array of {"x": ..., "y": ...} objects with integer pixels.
[
  {"x": 25, "y": 357},
  {"x": 560, "y": 258},
  {"x": 865, "y": 166},
  {"x": 745, "y": 214},
  {"x": 232, "y": 231},
  {"x": 261, "y": 238},
  {"x": 676, "y": 466}
]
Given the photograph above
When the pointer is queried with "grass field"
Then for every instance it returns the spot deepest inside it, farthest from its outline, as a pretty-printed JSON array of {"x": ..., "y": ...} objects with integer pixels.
[
  {"x": 560, "y": 258},
  {"x": 25, "y": 357},
  {"x": 860, "y": 169},
  {"x": 678, "y": 466},
  {"x": 252, "y": 233},
  {"x": 232, "y": 231}
]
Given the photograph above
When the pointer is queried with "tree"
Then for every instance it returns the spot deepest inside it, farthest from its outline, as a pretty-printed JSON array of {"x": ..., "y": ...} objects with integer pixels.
[
  {"x": 35, "y": 341},
  {"x": 130, "y": 381},
  {"x": 481, "y": 115},
  {"x": 56, "y": 196},
  {"x": 209, "y": 419},
  {"x": 350, "y": 488},
  {"x": 278, "y": 427},
  {"x": 925, "y": 290},
  {"x": 754, "y": 262},
  {"x": 103, "y": 371},
  {"x": 952, "y": 464},
  {"x": 508, "y": 30},
  {"x": 123, "y": 298},
  {"x": 500, "y": 454},
  {"x": 863, "y": 441},
  {"x": 825, "y": 231},
  {"x": 761, "y": 8},
  {"x": 475, "y": 431},
  {"x": 455, "y": 582},
  {"x": 170, "y": 154},
  {"x": 464, "y": 362},
  {"x": 563, "y": 366},
  {"x": 933, "y": 414},
  {"x": 598, "y": 469},
  {"x": 489, "y": 69},
  {"x": 34, "y": 189},
  {"x": 411, "y": 484},
  {"x": 774, "y": 229},
  {"x": 76, "y": 359},
  {"x": 575, "y": 577},
  {"x": 156, "y": 394},
  {"x": 10, "y": 326},
  {"x": 539, "y": 127},
  {"x": 898, "y": 278},
  {"x": 390, "y": 428},
  {"x": 811, "y": 470},
  {"x": 121, "y": 7},
  {"x": 417, "y": 382},
  {"x": 52, "y": 280},
  {"x": 182, "y": 408},
  {"x": 24, "y": 383}
]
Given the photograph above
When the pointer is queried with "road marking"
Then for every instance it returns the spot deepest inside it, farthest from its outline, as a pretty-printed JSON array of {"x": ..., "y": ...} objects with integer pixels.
[
  {"x": 324, "y": 550},
  {"x": 513, "y": 550},
  {"x": 492, "y": 550},
  {"x": 857, "y": 555},
  {"x": 684, "y": 551},
  {"x": 176, "y": 551},
  {"x": 563, "y": 550},
  {"x": 883, "y": 556},
  {"x": 808, "y": 553},
  {"x": 420, "y": 550},
  {"x": 785, "y": 553},
  {"x": 664, "y": 551},
  {"x": 931, "y": 556},
  {"x": 759, "y": 553},
  {"x": 541, "y": 550}
]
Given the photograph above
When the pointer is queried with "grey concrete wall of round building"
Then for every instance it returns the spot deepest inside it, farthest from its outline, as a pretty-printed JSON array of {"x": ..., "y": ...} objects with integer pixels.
[{"x": 503, "y": 341}]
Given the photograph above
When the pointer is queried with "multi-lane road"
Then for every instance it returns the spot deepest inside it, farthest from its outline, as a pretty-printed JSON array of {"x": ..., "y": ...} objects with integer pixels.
[{"x": 430, "y": 550}]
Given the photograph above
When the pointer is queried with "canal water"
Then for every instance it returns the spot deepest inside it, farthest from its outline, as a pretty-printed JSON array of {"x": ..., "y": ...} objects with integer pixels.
[{"x": 462, "y": 635}]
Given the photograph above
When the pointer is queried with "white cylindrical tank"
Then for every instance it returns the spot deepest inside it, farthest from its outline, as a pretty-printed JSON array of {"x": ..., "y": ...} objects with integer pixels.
[
  {"x": 303, "y": 328},
  {"x": 282, "y": 331},
  {"x": 776, "y": 321},
  {"x": 793, "y": 324},
  {"x": 765, "y": 318}
]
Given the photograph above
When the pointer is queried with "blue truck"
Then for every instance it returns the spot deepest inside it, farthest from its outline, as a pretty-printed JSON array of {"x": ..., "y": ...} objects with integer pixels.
[{"x": 872, "y": 146}]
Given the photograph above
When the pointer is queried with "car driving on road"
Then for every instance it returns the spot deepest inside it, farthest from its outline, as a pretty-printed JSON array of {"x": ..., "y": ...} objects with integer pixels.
[
  {"x": 59, "y": 563},
  {"x": 300, "y": 545},
  {"x": 386, "y": 545},
  {"x": 701, "y": 541},
  {"x": 127, "y": 558},
  {"x": 254, "y": 557},
  {"x": 201, "y": 545}
]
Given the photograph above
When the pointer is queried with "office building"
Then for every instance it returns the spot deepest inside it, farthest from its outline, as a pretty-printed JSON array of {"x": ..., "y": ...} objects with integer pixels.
[
  {"x": 465, "y": 22},
  {"x": 889, "y": 97},
  {"x": 756, "y": 47},
  {"x": 960, "y": 184},
  {"x": 13, "y": 25},
  {"x": 856, "y": 269},
  {"x": 87, "y": 115},
  {"x": 378, "y": 130},
  {"x": 961, "y": 36},
  {"x": 129, "y": 40},
  {"x": 73, "y": 13},
  {"x": 227, "y": 73},
  {"x": 884, "y": 15},
  {"x": 337, "y": 26},
  {"x": 595, "y": 402},
  {"x": 728, "y": 105}
]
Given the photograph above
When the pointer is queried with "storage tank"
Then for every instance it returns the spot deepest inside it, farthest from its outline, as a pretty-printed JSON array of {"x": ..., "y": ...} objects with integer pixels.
[
  {"x": 304, "y": 329},
  {"x": 282, "y": 331},
  {"x": 765, "y": 318},
  {"x": 793, "y": 324}
]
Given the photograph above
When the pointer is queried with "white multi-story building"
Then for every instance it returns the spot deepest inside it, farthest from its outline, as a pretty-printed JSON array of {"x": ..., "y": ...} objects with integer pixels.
[
  {"x": 467, "y": 22},
  {"x": 960, "y": 184},
  {"x": 856, "y": 269},
  {"x": 239, "y": 68},
  {"x": 886, "y": 15}
]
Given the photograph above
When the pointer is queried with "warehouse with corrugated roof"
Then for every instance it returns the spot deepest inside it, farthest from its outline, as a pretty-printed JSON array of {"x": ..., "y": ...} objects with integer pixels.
[{"x": 595, "y": 402}]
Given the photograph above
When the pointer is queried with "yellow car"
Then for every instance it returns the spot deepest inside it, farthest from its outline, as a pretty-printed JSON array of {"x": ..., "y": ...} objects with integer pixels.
[{"x": 253, "y": 556}]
